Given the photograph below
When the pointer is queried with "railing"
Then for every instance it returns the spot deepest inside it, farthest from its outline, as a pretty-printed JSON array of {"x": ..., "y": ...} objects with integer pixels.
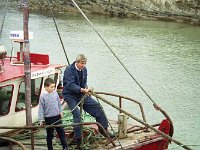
[{"x": 125, "y": 98}]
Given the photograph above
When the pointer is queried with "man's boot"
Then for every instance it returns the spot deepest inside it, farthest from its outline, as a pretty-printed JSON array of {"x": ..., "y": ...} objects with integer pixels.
[{"x": 105, "y": 135}]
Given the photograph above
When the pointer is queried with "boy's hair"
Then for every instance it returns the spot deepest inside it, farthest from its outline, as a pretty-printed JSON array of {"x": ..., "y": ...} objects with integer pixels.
[
  {"x": 48, "y": 82},
  {"x": 80, "y": 58}
]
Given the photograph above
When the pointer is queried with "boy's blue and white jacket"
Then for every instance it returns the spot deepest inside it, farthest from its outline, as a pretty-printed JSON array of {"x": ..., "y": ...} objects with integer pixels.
[{"x": 49, "y": 105}]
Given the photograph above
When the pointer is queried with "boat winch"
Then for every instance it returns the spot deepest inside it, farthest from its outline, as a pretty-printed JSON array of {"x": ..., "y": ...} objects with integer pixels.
[{"x": 122, "y": 125}]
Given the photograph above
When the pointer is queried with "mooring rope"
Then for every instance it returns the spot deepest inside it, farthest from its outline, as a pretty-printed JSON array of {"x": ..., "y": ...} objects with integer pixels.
[
  {"x": 154, "y": 103},
  {"x": 58, "y": 32},
  {"x": 77, "y": 105},
  {"x": 113, "y": 52},
  {"x": 187, "y": 145},
  {"x": 140, "y": 121},
  {"x": 110, "y": 125},
  {"x": 14, "y": 141},
  {"x": 4, "y": 15}
]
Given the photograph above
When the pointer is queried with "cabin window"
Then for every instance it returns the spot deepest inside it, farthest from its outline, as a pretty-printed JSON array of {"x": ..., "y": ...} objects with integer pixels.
[
  {"x": 36, "y": 85},
  {"x": 5, "y": 99}
]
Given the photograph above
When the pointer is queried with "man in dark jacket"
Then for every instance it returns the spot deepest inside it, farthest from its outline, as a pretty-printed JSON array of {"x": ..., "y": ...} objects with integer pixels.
[{"x": 74, "y": 87}]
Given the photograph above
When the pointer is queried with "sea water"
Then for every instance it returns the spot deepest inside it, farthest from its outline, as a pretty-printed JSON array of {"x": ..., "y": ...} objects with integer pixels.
[{"x": 163, "y": 57}]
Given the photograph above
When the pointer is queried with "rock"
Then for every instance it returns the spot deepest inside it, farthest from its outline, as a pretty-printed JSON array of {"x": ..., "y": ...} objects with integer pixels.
[{"x": 167, "y": 10}]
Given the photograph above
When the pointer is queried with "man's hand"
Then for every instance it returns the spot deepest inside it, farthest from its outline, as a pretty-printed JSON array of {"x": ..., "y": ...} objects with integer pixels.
[{"x": 86, "y": 91}]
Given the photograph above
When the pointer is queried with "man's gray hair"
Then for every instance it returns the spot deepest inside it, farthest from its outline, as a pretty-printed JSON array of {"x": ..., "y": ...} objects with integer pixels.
[{"x": 80, "y": 58}]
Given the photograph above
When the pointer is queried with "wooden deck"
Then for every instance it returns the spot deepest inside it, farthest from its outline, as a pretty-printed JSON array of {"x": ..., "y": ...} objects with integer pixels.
[{"x": 95, "y": 141}]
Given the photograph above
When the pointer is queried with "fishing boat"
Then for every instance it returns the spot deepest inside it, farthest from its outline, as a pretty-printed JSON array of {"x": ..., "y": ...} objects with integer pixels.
[{"x": 13, "y": 114}]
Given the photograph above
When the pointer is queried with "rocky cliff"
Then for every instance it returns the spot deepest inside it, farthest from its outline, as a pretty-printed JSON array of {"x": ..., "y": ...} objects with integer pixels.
[{"x": 187, "y": 11}]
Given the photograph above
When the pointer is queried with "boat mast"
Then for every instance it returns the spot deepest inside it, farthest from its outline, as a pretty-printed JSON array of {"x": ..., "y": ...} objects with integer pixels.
[{"x": 27, "y": 64}]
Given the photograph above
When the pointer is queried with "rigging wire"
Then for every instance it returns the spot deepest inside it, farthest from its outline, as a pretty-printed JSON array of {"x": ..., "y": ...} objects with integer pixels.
[
  {"x": 113, "y": 52},
  {"x": 110, "y": 125},
  {"x": 58, "y": 32},
  {"x": 5, "y": 12},
  {"x": 186, "y": 145},
  {"x": 155, "y": 105},
  {"x": 140, "y": 121}
]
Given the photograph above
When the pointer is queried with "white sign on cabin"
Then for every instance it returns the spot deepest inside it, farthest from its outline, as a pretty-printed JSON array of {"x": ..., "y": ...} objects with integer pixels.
[
  {"x": 42, "y": 73},
  {"x": 19, "y": 35}
]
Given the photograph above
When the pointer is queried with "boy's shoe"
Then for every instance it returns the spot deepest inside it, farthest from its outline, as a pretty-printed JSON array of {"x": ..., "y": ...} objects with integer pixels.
[{"x": 76, "y": 142}]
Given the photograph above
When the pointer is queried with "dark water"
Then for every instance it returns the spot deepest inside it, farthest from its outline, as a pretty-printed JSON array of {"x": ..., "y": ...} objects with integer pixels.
[{"x": 163, "y": 57}]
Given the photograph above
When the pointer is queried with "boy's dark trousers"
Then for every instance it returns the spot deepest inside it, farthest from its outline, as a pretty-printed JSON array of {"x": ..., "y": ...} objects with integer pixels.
[{"x": 59, "y": 130}]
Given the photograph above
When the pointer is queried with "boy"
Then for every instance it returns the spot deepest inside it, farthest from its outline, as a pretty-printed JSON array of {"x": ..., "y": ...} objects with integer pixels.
[{"x": 50, "y": 111}]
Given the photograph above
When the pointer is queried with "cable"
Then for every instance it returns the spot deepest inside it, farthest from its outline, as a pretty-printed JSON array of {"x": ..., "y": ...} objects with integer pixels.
[
  {"x": 5, "y": 12},
  {"x": 58, "y": 32},
  {"x": 140, "y": 121},
  {"x": 186, "y": 145},
  {"x": 154, "y": 104},
  {"x": 110, "y": 124},
  {"x": 113, "y": 52}
]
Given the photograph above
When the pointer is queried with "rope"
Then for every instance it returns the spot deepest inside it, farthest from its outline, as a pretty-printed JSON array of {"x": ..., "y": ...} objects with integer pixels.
[
  {"x": 49, "y": 126},
  {"x": 113, "y": 52},
  {"x": 154, "y": 103},
  {"x": 72, "y": 109},
  {"x": 187, "y": 145},
  {"x": 58, "y": 32},
  {"x": 81, "y": 111},
  {"x": 110, "y": 125},
  {"x": 13, "y": 141},
  {"x": 5, "y": 11},
  {"x": 142, "y": 122}
]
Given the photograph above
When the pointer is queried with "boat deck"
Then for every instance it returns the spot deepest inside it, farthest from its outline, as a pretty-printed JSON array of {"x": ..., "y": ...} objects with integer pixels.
[{"x": 133, "y": 140}]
